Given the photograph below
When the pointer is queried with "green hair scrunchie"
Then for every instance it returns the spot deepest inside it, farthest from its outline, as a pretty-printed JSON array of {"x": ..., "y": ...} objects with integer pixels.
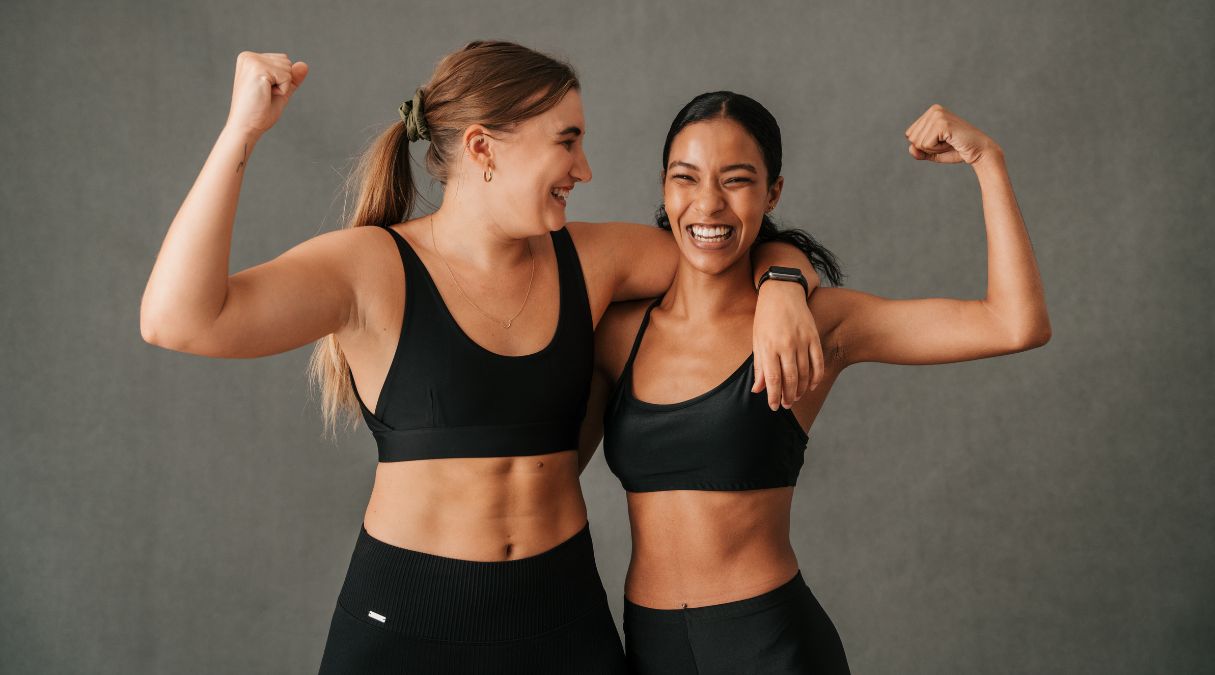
[{"x": 414, "y": 117}]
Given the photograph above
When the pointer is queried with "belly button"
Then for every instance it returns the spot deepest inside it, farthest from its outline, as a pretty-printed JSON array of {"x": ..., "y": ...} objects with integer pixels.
[
  {"x": 539, "y": 465},
  {"x": 683, "y": 605},
  {"x": 509, "y": 548}
]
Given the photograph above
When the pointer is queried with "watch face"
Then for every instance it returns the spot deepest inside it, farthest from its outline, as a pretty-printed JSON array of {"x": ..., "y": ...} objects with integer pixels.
[{"x": 785, "y": 271}]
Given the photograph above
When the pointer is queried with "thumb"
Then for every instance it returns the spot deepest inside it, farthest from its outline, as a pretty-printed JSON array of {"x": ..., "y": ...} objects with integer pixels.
[{"x": 299, "y": 70}]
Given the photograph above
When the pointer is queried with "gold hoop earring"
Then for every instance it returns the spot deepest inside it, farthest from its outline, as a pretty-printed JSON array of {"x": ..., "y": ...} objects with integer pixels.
[{"x": 488, "y": 175}]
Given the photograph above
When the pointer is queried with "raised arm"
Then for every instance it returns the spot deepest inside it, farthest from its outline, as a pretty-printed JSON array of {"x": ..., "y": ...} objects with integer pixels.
[
  {"x": 191, "y": 303},
  {"x": 1012, "y": 317}
]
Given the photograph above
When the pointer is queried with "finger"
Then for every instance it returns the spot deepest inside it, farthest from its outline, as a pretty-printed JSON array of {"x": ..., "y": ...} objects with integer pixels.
[
  {"x": 917, "y": 142},
  {"x": 282, "y": 80},
  {"x": 950, "y": 157},
  {"x": 788, "y": 368},
  {"x": 759, "y": 377},
  {"x": 817, "y": 363},
  {"x": 936, "y": 139},
  {"x": 789, "y": 375},
  {"x": 804, "y": 374},
  {"x": 916, "y": 152},
  {"x": 272, "y": 78},
  {"x": 917, "y": 127},
  {"x": 914, "y": 125},
  {"x": 773, "y": 377},
  {"x": 924, "y": 136}
]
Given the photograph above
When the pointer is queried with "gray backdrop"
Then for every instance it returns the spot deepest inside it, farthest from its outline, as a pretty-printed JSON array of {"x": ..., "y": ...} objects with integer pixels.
[{"x": 1046, "y": 512}]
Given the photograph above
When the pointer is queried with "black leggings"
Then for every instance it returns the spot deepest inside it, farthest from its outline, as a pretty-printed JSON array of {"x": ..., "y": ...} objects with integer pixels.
[
  {"x": 782, "y": 631},
  {"x": 403, "y": 611}
]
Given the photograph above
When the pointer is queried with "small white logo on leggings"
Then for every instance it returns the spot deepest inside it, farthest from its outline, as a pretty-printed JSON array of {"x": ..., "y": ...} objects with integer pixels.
[{"x": 378, "y": 617}]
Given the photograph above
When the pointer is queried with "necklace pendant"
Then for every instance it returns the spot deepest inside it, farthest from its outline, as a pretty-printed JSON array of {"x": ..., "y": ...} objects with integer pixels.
[{"x": 506, "y": 324}]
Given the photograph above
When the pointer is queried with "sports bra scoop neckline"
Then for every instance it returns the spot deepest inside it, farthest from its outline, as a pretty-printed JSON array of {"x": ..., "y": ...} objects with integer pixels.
[
  {"x": 455, "y": 325},
  {"x": 627, "y": 386},
  {"x": 726, "y": 438},
  {"x": 445, "y": 395}
]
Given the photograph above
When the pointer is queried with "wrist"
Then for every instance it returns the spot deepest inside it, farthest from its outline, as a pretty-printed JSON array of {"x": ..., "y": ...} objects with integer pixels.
[
  {"x": 789, "y": 278},
  {"x": 991, "y": 159},
  {"x": 242, "y": 135}
]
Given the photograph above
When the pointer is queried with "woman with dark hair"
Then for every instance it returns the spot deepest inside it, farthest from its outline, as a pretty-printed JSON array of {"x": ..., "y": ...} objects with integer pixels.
[
  {"x": 713, "y": 585},
  {"x": 464, "y": 340}
]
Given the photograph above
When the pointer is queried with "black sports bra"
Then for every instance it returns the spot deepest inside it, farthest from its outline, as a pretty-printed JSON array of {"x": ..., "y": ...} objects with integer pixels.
[
  {"x": 724, "y": 439},
  {"x": 446, "y": 396}
]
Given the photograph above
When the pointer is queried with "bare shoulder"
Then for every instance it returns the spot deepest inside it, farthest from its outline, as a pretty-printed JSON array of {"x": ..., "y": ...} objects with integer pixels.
[
  {"x": 368, "y": 259},
  {"x": 615, "y": 334},
  {"x": 347, "y": 248},
  {"x": 366, "y": 254},
  {"x": 595, "y": 236}
]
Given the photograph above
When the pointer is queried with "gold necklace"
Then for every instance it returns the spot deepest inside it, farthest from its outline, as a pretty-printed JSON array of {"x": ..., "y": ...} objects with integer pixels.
[{"x": 530, "y": 279}]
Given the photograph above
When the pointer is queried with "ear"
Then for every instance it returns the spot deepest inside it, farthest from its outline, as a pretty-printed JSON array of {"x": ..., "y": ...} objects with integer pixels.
[
  {"x": 774, "y": 192},
  {"x": 478, "y": 145}
]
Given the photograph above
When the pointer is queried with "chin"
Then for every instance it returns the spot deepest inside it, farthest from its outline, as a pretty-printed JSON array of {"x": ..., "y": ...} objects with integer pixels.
[
  {"x": 553, "y": 222},
  {"x": 713, "y": 263}
]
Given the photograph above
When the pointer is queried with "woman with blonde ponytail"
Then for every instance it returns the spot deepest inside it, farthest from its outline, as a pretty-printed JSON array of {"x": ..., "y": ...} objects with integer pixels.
[{"x": 463, "y": 338}]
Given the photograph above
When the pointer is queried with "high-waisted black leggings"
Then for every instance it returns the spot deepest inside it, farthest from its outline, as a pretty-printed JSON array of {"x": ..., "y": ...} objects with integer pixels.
[
  {"x": 403, "y": 611},
  {"x": 782, "y": 631}
]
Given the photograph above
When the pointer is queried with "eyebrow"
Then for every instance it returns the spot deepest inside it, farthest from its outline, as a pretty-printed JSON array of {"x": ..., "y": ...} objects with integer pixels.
[
  {"x": 724, "y": 169},
  {"x": 570, "y": 130}
]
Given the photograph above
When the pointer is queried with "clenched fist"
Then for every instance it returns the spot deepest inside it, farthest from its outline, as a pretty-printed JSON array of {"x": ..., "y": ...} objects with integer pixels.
[
  {"x": 943, "y": 137},
  {"x": 262, "y": 86}
]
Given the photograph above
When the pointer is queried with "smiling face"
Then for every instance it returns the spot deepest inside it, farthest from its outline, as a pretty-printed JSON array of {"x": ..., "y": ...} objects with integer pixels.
[
  {"x": 536, "y": 166},
  {"x": 716, "y": 192}
]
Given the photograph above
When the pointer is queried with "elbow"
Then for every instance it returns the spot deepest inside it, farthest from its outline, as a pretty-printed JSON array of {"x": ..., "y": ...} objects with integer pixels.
[
  {"x": 149, "y": 328},
  {"x": 1034, "y": 337},
  {"x": 151, "y": 331},
  {"x": 158, "y": 332}
]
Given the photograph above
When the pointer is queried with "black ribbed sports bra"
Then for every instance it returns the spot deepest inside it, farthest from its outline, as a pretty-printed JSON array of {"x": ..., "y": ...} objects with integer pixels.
[
  {"x": 446, "y": 396},
  {"x": 724, "y": 439}
]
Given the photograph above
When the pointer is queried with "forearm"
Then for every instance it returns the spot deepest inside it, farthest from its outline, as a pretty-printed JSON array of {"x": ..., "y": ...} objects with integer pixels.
[
  {"x": 189, "y": 281},
  {"x": 1014, "y": 286}
]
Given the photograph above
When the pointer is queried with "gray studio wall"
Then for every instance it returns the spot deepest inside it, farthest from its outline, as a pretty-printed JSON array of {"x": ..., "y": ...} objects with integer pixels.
[{"x": 1046, "y": 512}]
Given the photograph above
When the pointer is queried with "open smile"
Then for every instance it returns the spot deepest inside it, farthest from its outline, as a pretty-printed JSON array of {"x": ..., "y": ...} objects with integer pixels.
[
  {"x": 706, "y": 235},
  {"x": 561, "y": 194}
]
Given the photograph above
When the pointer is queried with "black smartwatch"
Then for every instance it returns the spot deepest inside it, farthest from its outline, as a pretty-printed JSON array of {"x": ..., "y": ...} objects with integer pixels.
[{"x": 784, "y": 274}]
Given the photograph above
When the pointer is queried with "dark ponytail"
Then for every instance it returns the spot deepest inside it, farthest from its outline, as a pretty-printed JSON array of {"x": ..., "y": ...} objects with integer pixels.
[{"x": 762, "y": 126}]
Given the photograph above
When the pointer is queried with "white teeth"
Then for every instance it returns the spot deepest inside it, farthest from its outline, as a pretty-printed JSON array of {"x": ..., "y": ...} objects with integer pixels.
[
  {"x": 560, "y": 193},
  {"x": 710, "y": 232}
]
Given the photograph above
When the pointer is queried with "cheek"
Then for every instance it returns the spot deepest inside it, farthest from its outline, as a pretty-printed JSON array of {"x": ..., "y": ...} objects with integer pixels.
[
  {"x": 750, "y": 205},
  {"x": 674, "y": 201}
]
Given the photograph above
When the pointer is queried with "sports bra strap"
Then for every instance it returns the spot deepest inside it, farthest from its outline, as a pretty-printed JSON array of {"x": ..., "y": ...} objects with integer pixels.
[{"x": 645, "y": 322}]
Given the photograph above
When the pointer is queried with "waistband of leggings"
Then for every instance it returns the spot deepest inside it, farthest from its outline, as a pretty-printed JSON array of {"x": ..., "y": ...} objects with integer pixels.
[
  {"x": 434, "y": 597},
  {"x": 786, "y": 592}
]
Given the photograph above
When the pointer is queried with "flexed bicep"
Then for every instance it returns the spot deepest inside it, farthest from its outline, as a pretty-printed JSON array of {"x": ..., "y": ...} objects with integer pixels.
[
  {"x": 298, "y": 297},
  {"x": 920, "y": 331}
]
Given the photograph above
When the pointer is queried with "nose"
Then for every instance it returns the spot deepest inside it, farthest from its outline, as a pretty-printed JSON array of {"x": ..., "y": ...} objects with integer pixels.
[
  {"x": 709, "y": 199},
  {"x": 582, "y": 167}
]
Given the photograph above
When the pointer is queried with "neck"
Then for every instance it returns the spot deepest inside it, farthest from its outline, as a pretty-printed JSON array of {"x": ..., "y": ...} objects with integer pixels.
[
  {"x": 465, "y": 234},
  {"x": 706, "y": 298}
]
